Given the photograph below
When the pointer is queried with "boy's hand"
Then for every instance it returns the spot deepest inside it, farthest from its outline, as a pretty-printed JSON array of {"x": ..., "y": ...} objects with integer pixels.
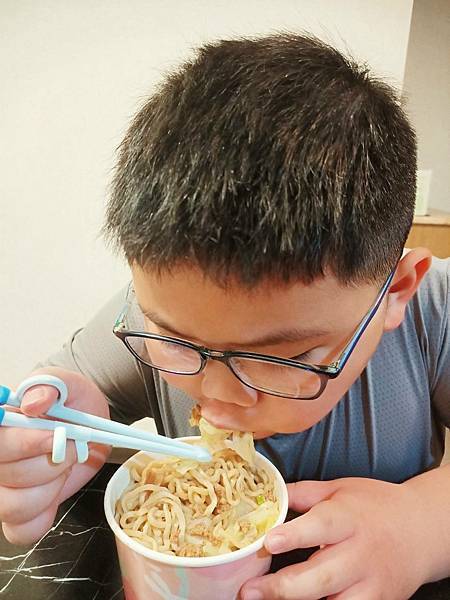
[
  {"x": 373, "y": 537},
  {"x": 31, "y": 486}
]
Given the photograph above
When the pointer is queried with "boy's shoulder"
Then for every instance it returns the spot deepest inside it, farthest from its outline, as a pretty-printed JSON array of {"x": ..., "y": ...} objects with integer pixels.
[
  {"x": 428, "y": 320},
  {"x": 435, "y": 286},
  {"x": 440, "y": 267}
]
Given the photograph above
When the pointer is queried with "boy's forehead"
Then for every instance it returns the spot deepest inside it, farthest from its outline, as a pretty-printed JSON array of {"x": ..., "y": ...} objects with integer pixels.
[{"x": 192, "y": 304}]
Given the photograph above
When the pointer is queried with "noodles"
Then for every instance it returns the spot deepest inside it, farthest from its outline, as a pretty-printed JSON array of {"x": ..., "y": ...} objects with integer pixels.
[
  {"x": 186, "y": 508},
  {"x": 214, "y": 438}
]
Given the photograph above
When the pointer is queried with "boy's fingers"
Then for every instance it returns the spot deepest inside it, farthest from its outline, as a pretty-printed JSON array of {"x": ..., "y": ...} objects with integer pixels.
[
  {"x": 303, "y": 495},
  {"x": 21, "y": 505},
  {"x": 17, "y": 444},
  {"x": 31, "y": 531},
  {"x": 20, "y": 444},
  {"x": 37, "y": 470},
  {"x": 356, "y": 592},
  {"x": 38, "y": 399},
  {"x": 324, "y": 524},
  {"x": 327, "y": 572}
]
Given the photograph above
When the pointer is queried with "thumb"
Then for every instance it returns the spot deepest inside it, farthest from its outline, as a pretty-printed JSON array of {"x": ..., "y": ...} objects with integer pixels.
[
  {"x": 303, "y": 495},
  {"x": 38, "y": 399}
]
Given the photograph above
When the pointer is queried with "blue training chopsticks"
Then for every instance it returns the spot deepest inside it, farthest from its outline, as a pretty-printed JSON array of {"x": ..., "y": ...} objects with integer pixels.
[{"x": 87, "y": 428}]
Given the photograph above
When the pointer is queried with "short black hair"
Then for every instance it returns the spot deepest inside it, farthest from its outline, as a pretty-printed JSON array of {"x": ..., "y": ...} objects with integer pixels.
[{"x": 266, "y": 157}]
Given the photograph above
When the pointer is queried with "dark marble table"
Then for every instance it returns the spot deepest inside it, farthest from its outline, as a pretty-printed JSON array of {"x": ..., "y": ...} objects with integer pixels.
[{"x": 77, "y": 558}]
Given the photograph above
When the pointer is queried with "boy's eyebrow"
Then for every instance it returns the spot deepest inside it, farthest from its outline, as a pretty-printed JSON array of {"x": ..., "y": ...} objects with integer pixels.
[{"x": 294, "y": 334}]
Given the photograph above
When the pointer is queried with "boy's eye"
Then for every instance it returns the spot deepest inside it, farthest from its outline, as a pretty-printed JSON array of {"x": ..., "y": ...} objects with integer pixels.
[{"x": 171, "y": 347}]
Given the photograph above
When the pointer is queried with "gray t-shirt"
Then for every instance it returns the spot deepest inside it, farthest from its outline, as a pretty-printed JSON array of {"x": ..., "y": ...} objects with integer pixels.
[{"x": 390, "y": 425}]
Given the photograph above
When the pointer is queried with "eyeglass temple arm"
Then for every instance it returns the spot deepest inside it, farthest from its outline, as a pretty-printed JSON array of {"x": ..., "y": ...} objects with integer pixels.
[
  {"x": 120, "y": 317},
  {"x": 342, "y": 360}
]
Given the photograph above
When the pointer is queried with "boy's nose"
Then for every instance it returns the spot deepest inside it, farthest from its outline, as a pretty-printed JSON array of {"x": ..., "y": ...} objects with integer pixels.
[{"x": 219, "y": 383}]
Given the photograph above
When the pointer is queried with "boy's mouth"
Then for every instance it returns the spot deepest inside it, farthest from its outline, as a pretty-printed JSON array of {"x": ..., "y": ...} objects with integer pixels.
[
  {"x": 216, "y": 414},
  {"x": 219, "y": 420}
]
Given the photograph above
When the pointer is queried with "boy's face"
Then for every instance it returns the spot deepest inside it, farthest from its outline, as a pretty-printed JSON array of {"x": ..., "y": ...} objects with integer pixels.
[{"x": 187, "y": 305}]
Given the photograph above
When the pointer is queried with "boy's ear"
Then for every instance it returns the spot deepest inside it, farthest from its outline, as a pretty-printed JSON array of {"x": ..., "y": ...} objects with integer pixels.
[{"x": 409, "y": 273}]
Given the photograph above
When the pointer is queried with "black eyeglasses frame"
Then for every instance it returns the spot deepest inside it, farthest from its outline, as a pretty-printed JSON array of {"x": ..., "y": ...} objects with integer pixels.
[{"x": 325, "y": 372}]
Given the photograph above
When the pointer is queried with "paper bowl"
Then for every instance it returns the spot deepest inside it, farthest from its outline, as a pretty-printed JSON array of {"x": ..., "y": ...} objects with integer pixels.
[{"x": 148, "y": 574}]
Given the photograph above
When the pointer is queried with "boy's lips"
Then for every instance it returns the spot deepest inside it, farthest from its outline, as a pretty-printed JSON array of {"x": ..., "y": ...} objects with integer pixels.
[
  {"x": 224, "y": 422},
  {"x": 220, "y": 419},
  {"x": 215, "y": 415}
]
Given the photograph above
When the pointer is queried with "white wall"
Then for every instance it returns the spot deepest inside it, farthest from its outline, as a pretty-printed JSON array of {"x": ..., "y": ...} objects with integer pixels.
[
  {"x": 72, "y": 74},
  {"x": 427, "y": 88}
]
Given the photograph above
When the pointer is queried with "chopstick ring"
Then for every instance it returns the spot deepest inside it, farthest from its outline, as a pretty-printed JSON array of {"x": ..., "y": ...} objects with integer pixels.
[
  {"x": 50, "y": 380},
  {"x": 60, "y": 432}
]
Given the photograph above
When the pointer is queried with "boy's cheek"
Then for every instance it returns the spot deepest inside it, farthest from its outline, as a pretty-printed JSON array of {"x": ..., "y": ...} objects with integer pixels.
[{"x": 190, "y": 385}]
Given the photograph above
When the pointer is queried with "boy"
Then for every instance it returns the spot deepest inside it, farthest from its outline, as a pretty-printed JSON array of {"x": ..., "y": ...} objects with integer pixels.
[{"x": 262, "y": 198}]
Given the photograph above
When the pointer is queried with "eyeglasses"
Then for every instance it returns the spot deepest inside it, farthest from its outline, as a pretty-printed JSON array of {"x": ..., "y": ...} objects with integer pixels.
[{"x": 284, "y": 377}]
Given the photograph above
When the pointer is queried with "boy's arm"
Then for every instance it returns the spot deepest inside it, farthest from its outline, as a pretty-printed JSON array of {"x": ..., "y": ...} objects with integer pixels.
[
  {"x": 95, "y": 352},
  {"x": 439, "y": 348}
]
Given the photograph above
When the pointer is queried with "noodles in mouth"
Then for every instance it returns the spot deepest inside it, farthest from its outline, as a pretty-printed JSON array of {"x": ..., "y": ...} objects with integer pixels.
[{"x": 186, "y": 508}]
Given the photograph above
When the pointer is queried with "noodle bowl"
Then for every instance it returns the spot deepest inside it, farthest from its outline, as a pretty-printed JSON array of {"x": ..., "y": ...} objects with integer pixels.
[{"x": 147, "y": 573}]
